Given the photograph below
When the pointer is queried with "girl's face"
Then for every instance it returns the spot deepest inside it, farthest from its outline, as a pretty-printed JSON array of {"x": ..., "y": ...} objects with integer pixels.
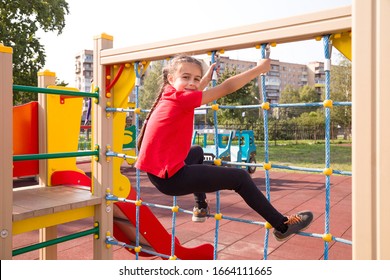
[{"x": 186, "y": 77}]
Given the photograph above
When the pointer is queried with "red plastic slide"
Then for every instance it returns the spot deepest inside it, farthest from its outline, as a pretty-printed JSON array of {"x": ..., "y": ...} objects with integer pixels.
[{"x": 153, "y": 233}]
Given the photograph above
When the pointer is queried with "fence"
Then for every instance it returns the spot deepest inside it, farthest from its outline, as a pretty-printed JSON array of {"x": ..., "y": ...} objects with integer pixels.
[{"x": 283, "y": 131}]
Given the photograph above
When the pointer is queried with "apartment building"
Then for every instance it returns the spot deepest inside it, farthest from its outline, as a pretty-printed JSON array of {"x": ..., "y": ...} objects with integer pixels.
[
  {"x": 84, "y": 70},
  {"x": 316, "y": 76},
  {"x": 280, "y": 75},
  {"x": 83, "y": 77}
]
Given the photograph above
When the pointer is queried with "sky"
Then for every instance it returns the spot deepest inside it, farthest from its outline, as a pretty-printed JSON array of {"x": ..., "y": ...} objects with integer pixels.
[{"x": 139, "y": 22}]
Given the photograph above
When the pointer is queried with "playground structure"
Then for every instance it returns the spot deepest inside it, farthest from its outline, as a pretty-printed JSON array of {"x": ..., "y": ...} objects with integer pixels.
[
  {"x": 370, "y": 180},
  {"x": 234, "y": 147}
]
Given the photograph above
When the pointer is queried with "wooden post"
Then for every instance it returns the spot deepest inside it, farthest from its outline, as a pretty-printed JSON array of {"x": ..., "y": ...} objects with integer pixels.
[
  {"x": 45, "y": 79},
  {"x": 6, "y": 147},
  {"x": 370, "y": 130},
  {"x": 102, "y": 170}
]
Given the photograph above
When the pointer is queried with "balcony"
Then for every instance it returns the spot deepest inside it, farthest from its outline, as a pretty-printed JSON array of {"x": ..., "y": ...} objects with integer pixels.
[{"x": 273, "y": 74}]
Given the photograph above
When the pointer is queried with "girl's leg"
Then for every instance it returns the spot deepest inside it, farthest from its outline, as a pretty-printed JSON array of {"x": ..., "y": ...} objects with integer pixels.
[
  {"x": 209, "y": 178},
  {"x": 195, "y": 156}
]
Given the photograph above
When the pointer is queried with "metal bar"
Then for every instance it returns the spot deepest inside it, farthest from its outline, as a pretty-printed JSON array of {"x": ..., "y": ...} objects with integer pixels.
[
  {"x": 55, "y": 91},
  {"x": 55, "y": 241},
  {"x": 55, "y": 155}
]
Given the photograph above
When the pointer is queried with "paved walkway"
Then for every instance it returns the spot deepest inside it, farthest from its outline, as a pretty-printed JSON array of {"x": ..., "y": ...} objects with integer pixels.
[{"x": 291, "y": 192}]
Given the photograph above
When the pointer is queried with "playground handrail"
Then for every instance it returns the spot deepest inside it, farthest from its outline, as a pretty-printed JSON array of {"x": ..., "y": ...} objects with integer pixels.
[
  {"x": 55, "y": 91},
  {"x": 55, "y": 155}
]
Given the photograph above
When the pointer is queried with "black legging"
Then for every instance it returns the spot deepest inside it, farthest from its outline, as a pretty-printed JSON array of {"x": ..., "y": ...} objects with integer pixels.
[{"x": 197, "y": 178}]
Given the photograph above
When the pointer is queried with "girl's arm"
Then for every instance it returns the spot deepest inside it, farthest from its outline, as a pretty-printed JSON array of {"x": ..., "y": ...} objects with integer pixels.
[
  {"x": 206, "y": 79},
  {"x": 236, "y": 82}
]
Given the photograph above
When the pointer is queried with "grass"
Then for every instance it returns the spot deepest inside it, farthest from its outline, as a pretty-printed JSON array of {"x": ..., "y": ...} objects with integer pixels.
[
  {"x": 84, "y": 144},
  {"x": 308, "y": 155}
]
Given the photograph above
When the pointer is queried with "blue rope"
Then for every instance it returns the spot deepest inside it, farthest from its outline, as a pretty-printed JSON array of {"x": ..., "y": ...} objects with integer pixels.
[
  {"x": 256, "y": 106},
  {"x": 266, "y": 159},
  {"x": 327, "y": 50},
  {"x": 277, "y": 166},
  {"x": 113, "y": 241},
  {"x": 173, "y": 228},
  {"x": 218, "y": 196},
  {"x": 266, "y": 150},
  {"x": 110, "y": 197}
]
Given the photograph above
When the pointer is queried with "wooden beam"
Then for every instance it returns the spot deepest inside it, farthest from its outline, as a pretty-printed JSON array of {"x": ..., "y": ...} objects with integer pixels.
[{"x": 291, "y": 29}]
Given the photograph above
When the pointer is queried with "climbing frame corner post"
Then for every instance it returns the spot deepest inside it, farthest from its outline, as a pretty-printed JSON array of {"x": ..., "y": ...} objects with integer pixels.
[
  {"x": 6, "y": 147},
  {"x": 45, "y": 78},
  {"x": 383, "y": 130},
  {"x": 102, "y": 171},
  {"x": 370, "y": 150}
]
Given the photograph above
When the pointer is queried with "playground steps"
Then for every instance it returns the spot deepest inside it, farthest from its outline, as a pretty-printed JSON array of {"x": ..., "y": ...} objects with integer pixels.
[{"x": 59, "y": 202}]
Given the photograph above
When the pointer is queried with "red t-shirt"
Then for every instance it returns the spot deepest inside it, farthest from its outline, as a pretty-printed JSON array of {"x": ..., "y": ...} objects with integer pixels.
[{"x": 168, "y": 134}]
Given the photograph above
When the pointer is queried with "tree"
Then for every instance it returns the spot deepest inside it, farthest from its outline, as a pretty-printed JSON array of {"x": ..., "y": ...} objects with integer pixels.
[
  {"x": 308, "y": 94},
  {"x": 19, "y": 22},
  {"x": 151, "y": 85},
  {"x": 341, "y": 90},
  {"x": 246, "y": 95},
  {"x": 289, "y": 95},
  {"x": 314, "y": 120}
]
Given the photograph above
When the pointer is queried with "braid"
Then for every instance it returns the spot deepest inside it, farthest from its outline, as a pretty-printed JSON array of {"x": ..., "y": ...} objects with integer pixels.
[
  {"x": 142, "y": 132},
  {"x": 167, "y": 70}
]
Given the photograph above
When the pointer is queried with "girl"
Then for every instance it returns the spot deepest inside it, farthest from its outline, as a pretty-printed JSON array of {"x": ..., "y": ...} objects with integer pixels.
[{"x": 176, "y": 168}]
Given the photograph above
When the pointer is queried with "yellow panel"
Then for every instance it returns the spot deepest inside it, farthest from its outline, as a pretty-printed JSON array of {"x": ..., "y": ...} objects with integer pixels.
[
  {"x": 63, "y": 129},
  {"x": 52, "y": 220},
  {"x": 130, "y": 152},
  {"x": 120, "y": 99},
  {"x": 342, "y": 42},
  {"x": 121, "y": 91},
  {"x": 131, "y": 105}
]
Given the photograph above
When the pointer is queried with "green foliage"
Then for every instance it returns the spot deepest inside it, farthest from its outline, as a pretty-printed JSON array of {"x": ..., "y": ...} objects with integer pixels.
[
  {"x": 341, "y": 90},
  {"x": 247, "y": 95},
  {"x": 314, "y": 116},
  {"x": 308, "y": 94},
  {"x": 19, "y": 22},
  {"x": 151, "y": 85},
  {"x": 288, "y": 96}
]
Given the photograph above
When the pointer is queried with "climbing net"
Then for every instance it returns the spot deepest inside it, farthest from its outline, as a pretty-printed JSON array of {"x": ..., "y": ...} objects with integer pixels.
[{"x": 327, "y": 104}]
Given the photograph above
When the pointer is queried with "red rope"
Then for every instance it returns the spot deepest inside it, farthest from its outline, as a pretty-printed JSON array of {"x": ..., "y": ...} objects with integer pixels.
[{"x": 113, "y": 82}]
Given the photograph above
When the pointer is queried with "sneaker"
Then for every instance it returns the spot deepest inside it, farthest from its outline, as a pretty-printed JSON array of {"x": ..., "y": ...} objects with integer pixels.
[
  {"x": 199, "y": 215},
  {"x": 298, "y": 222}
]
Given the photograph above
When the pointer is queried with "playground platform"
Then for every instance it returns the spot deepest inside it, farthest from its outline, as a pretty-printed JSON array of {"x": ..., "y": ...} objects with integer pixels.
[{"x": 291, "y": 192}]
